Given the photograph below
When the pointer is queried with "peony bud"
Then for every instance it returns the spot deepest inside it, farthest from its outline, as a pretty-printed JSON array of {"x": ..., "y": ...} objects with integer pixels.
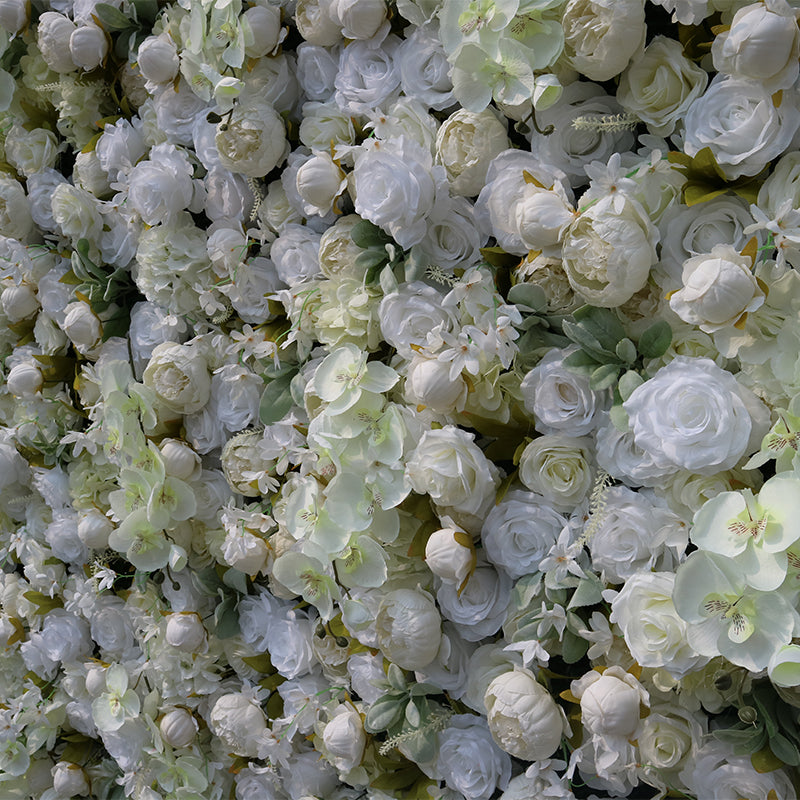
[
  {"x": 88, "y": 46},
  {"x": 13, "y": 15},
  {"x": 409, "y": 628},
  {"x": 82, "y": 326},
  {"x": 178, "y": 728},
  {"x": 158, "y": 59},
  {"x": 185, "y": 631},
  {"x": 319, "y": 182},
  {"x": 428, "y": 383},
  {"x": 19, "y": 302},
  {"x": 261, "y": 28},
  {"x": 24, "y": 380},
  {"x": 94, "y": 528},
  {"x": 450, "y": 554},
  {"x": 69, "y": 780},
  {"x": 180, "y": 460},
  {"x": 344, "y": 739},
  {"x": 53, "y": 37}
]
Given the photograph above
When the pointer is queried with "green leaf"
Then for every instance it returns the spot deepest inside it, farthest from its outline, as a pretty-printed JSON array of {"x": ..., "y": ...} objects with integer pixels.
[
  {"x": 505, "y": 485},
  {"x": 588, "y": 592},
  {"x": 629, "y": 381},
  {"x": 581, "y": 360},
  {"x": 573, "y": 647},
  {"x": 370, "y": 259},
  {"x": 236, "y": 580},
  {"x": 227, "y": 618},
  {"x": 626, "y": 350},
  {"x": 111, "y": 18},
  {"x": 603, "y": 323},
  {"x": 396, "y": 678},
  {"x": 397, "y": 779},
  {"x": 261, "y": 663},
  {"x": 784, "y": 749},
  {"x": 383, "y": 713},
  {"x": 43, "y": 603},
  {"x": 412, "y": 714},
  {"x": 581, "y": 336},
  {"x": 653, "y": 343},
  {"x": 619, "y": 418},
  {"x": 497, "y": 257},
  {"x": 146, "y": 10},
  {"x": 421, "y": 748},
  {"x": 276, "y": 400},
  {"x": 366, "y": 235},
  {"x": 528, "y": 294},
  {"x": 603, "y": 377}
]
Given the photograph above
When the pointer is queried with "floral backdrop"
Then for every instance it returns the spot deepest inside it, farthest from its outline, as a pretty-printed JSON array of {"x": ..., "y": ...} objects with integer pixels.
[{"x": 400, "y": 400}]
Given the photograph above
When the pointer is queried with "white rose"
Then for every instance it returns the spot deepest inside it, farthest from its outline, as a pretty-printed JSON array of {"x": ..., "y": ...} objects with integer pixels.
[
  {"x": 179, "y": 376},
  {"x": 31, "y": 151},
  {"x": 324, "y": 123},
  {"x": 743, "y": 124},
  {"x": 261, "y": 29},
  {"x": 295, "y": 254},
  {"x": 718, "y": 289},
  {"x": 409, "y": 628},
  {"x": 315, "y": 23},
  {"x": 82, "y": 326},
  {"x": 112, "y": 629},
  {"x": 53, "y": 35},
  {"x": 410, "y": 313},
  {"x": 453, "y": 239},
  {"x": 660, "y": 84},
  {"x": 559, "y": 399},
  {"x": 368, "y": 76},
  {"x": 653, "y": 631},
  {"x": 178, "y": 728},
  {"x": 450, "y": 554},
  {"x": 15, "y": 210},
  {"x": 424, "y": 70},
  {"x": 151, "y": 326},
  {"x": 88, "y": 46},
  {"x": 452, "y": 469},
  {"x": 253, "y": 142},
  {"x": 77, "y": 213},
  {"x": 241, "y": 724},
  {"x": 523, "y": 717},
  {"x": 237, "y": 391},
  {"x": 13, "y": 15},
  {"x": 161, "y": 186},
  {"x": 467, "y": 741},
  {"x": 466, "y": 144},
  {"x": 395, "y": 189},
  {"x": 519, "y": 532},
  {"x": 429, "y": 384},
  {"x": 343, "y": 738},
  {"x": 693, "y": 415},
  {"x": 558, "y": 467},
  {"x": 601, "y": 36},
  {"x": 763, "y": 44},
  {"x": 608, "y": 251},
  {"x": 610, "y": 702}
]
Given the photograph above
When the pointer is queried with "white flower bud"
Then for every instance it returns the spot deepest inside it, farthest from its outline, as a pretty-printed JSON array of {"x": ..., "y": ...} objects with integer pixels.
[
  {"x": 523, "y": 717},
  {"x": 450, "y": 554},
  {"x": 428, "y": 383},
  {"x": 13, "y": 15},
  {"x": 344, "y": 738},
  {"x": 96, "y": 681},
  {"x": 19, "y": 302},
  {"x": 180, "y": 460},
  {"x": 360, "y": 19},
  {"x": 261, "y": 28},
  {"x": 158, "y": 59},
  {"x": 94, "y": 528},
  {"x": 54, "y": 32},
  {"x": 24, "y": 380},
  {"x": 610, "y": 702},
  {"x": 185, "y": 631},
  {"x": 319, "y": 182},
  {"x": 178, "y": 728},
  {"x": 88, "y": 46},
  {"x": 409, "y": 628},
  {"x": 69, "y": 780},
  {"x": 82, "y": 326}
]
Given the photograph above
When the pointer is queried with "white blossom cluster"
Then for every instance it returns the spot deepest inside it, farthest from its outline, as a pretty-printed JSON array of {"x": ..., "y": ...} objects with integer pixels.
[{"x": 400, "y": 399}]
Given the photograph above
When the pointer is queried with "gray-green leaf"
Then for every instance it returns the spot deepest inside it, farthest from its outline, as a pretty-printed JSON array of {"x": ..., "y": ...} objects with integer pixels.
[{"x": 654, "y": 342}]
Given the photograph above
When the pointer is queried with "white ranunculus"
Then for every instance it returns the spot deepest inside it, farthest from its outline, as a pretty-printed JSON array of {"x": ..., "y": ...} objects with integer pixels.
[
  {"x": 466, "y": 144},
  {"x": 452, "y": 469},
  {"x": 469, "y": 760},
  {"x": 409, "y": 628},
  {"x": 395, "y": 189},
  {"x": 601, "y": 36},
  {"x": 693, "y": 415},
  {"x": 558, "y": 467},
  {"x": 239, "y": 721},
  {"x": 745, "y": 126},
  {"x": 179, "y": 376},
  {"x": 52, "y": 35},
  {"x": 660, "y": 84},
  {"x": 88, "y": 46},
  {"x": 523, "y": 717},
  {"x": 609, "y": 250},
  {"x": 261, "y": 29},
  {"x": 253, "y": 142},
  {"x": 653, "y": 631},
  {"x": 763, "y": 44}
]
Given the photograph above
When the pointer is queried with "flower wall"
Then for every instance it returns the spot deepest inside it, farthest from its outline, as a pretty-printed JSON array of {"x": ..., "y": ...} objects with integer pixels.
[{"x": 400, "y": 400}]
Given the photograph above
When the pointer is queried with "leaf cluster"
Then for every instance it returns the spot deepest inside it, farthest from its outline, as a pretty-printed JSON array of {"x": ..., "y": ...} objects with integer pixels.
[
  {"x": 379, "y": 249},
  {"x": 131, "y": 30}
]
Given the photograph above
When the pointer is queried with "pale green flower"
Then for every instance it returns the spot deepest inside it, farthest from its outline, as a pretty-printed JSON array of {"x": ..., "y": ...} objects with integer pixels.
[
  {"x": 309, "y": 578},
  {"x": 146, "y": 547},
  {"x": 362, "y": 564},
  {"x": 118, "y": 703}
]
